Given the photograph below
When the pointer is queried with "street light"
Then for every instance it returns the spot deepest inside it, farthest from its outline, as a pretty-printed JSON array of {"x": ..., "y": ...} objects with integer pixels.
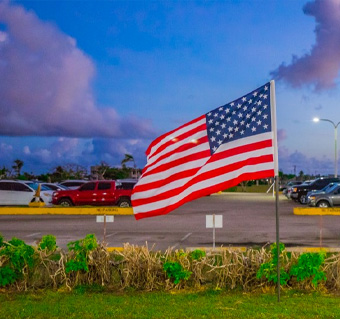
[{"x": 316, "y": 119}]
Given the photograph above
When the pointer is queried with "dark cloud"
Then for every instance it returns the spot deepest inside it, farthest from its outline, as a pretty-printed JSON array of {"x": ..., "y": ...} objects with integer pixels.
[
  {"x": 45, "y": 87},
  {"x": 113, "y": 151},
  {"x": 83, "y": 152},
  {"x": 309, "y": 165},
  {"x": 320, "y": 67}
]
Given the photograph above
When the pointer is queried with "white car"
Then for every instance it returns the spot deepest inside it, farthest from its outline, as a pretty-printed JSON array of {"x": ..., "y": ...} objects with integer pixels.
[{"x": 19, "y": 193}]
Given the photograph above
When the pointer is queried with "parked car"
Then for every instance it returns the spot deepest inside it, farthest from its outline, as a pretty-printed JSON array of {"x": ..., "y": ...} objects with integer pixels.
[
  {"x": 329, "y": 199},
  {"x": 73, "y": 183},
  {"x": 299, "y": 193},
  {"x": 103, "y": 192},
  {"x": 20, "y": 193},
  {"x": 127, "y": 183},
  {"x": 285, "y": 187},
  {"x": 54, "y": 187},
  {"x": 326, "y": 189}
]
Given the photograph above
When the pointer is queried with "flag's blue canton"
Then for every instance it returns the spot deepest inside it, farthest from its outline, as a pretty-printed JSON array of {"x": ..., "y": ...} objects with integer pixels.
[{"x": 246, "y": 116}]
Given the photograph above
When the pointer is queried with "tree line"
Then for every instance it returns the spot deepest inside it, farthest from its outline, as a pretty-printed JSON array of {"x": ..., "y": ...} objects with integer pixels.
[{"x": 103, "y": 170}]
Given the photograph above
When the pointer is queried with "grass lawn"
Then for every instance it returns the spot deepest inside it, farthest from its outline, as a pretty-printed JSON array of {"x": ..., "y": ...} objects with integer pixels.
[{"x": 83, "y": 304}]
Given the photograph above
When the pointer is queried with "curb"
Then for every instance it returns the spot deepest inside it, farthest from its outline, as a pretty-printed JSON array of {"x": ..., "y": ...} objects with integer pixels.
[
  {"x": 65, "y": 210},
  {"x": 244, "y": 249},
  {"x": 316, "y": 211}
]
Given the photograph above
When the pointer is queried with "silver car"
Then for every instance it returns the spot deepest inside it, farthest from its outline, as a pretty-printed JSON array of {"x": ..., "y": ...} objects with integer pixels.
[{"x": 330, "y": 199}]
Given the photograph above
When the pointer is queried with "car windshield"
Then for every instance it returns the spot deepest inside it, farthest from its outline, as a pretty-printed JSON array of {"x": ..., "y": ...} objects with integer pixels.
[
  {"x": 35, "y": 187},
  {"x": 307, "y": 183},
  {"x": 331, "y": 187}
]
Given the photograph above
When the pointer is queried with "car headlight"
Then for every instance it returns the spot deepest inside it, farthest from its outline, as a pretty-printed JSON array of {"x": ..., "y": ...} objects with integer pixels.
[
  {"x": 294, "y": 189},
  {"x": 312, "y": 197}
]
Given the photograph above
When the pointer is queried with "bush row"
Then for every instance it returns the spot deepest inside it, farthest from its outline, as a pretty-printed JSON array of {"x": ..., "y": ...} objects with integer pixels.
[{"x": 88, "y": 263}]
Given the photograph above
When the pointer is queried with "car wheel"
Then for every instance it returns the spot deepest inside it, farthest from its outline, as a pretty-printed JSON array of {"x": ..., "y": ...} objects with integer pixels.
[
  {"x": 303, "y": 199},
  {"x": 123, "y": 203},
  {"x": 65, "y": 202},
  {"x": 322, "y": 204}
]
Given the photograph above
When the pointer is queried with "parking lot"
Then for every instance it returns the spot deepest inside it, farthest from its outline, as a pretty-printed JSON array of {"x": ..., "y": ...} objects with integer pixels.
[{"x": 248, "y": 220}]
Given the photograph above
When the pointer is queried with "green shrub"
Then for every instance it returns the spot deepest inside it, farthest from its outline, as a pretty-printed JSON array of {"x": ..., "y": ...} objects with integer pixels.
[
  {"x": 81, "y": 250},
  {"x": 175, "y": 271},
  {"x": 16, "y": 256},
  {"x": 197, "y": 254},
  {"x": 269, "y": 269},
  {"x": 48, "y": 243},
  {"x": 308, "y": 267},
  {"x": 7, "y": 276}
]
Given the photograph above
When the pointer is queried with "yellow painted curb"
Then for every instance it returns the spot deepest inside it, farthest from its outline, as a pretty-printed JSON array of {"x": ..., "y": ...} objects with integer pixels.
[
  {"x": 65, "y": 211},
  {"x": 316, "y": 211},
  {"x": 241, "y": 249},
  {"x": 313, "y": 249},
  {"x": 111, "y": 249}
]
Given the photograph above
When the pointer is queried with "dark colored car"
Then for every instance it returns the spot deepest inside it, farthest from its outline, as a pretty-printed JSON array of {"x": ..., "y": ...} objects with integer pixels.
[
  {"x": 284, "y": 187},
  {"x": 299, "y": 193},
  {"x": 329, "y": 199},
  {"x": 94, "y": 193}
]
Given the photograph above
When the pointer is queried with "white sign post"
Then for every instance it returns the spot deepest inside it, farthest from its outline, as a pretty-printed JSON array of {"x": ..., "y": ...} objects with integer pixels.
[
  {"x": 214, "y": 221},
  {"x": 105, "y": 219}
]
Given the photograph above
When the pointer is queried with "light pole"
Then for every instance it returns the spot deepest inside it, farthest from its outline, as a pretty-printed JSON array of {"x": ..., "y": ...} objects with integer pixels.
[{"x": 316, "y": 119}]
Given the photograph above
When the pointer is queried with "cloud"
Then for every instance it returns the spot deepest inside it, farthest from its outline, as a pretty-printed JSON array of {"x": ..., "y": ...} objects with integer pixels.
[
  {"x": 113, "y": 151},
  {"x": 309, "y": 165},
  {"x": 5, "y": 149},
  {"x": 320, "y": 67},
  {"x": 281, "y": 135},
  {"x": 46, "y": 84},
  {"x": 44, "y": 157}
]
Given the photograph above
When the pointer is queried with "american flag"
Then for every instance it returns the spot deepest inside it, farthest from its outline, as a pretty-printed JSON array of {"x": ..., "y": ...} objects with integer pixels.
[{"x": 233, "y": 143}]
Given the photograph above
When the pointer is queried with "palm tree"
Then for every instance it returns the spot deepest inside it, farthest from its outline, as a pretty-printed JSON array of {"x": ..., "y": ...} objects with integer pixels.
[
  {"x": 129, "y": 158},
  {"x": 18, "y": 166},
  {"x": 3, "y": 172}
]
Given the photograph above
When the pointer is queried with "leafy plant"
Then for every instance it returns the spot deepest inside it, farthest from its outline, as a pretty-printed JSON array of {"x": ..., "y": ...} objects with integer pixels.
[
  {"x": 197, "y": 254},
  {"x": 174, "y": 270},
  {"x": 181, "y": 253},
  {"x": 16, "y": 256},
  {"x": 48, "y": 243},
  {"x": 308, "y": 266},
  {"x": 81, "y": 250},
  {"x": 269, "y": 269},
  {"x": 7, "y": 276}
]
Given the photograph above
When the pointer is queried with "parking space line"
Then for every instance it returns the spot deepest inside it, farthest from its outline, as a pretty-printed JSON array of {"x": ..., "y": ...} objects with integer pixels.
[
  {"x": 33, "y": 235},
  {"x": 183, "y": 239},
  {"x": 112, "y": 234}
]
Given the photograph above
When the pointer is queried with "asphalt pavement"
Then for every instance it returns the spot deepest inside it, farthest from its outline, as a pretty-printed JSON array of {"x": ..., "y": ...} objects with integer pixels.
[{"x": 248, "y": 220}]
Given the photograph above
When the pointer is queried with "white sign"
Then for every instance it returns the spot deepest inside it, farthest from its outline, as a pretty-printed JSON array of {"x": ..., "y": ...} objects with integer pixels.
[
  {"x": 210, "y": 221},
  {"x": 109, "y": 219}
]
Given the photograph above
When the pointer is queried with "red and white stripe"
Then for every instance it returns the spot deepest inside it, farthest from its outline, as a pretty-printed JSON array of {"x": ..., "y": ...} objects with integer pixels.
[{"x": 180, "y": 167}]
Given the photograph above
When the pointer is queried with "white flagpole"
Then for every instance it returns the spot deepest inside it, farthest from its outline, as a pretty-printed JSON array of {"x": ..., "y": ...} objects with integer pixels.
[{"x": 276, "y": 170}]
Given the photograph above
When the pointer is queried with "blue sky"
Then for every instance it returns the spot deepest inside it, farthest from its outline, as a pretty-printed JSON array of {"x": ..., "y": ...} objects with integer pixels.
[{"x": 88, "y": 81}]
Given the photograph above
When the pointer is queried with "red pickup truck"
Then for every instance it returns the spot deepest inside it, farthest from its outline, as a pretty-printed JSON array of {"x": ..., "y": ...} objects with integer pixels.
[{"x": 94, "y": 193}]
